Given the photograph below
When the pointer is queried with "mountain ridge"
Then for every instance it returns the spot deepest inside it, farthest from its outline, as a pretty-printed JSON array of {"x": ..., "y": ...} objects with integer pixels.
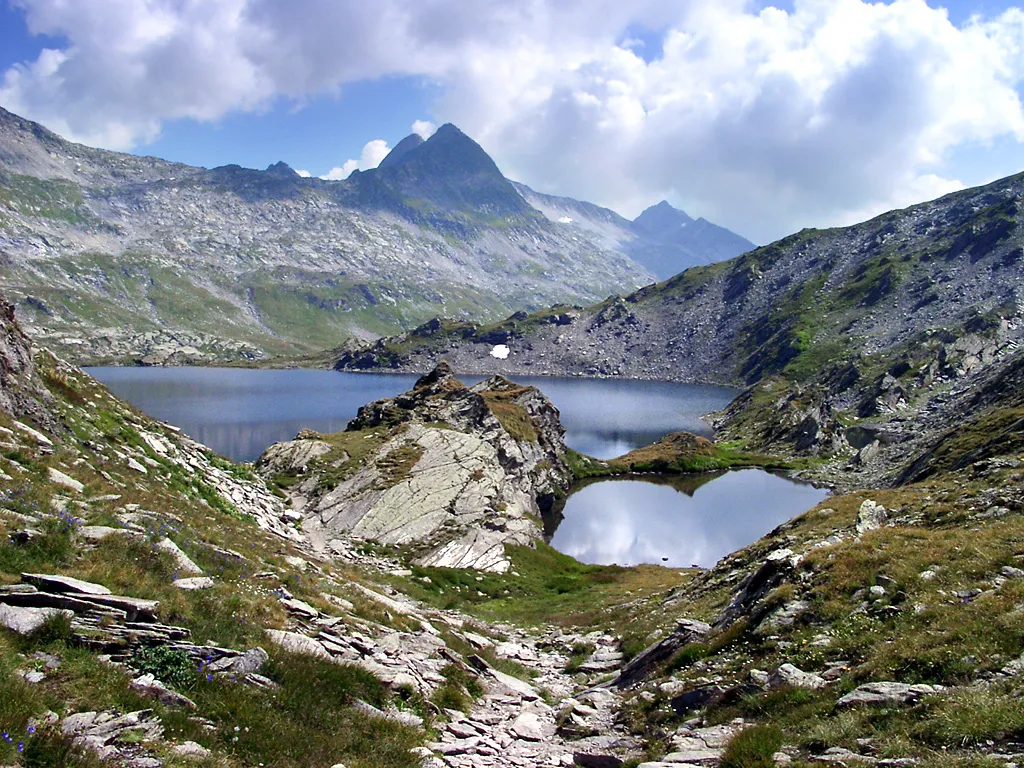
[
  {"x": 663, "y": 251},
  {"x": 125, "y": 258}
]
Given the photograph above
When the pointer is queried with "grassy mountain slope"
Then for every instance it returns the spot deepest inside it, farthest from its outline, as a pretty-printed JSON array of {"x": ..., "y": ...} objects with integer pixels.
[{"x": 112, "y": 256}]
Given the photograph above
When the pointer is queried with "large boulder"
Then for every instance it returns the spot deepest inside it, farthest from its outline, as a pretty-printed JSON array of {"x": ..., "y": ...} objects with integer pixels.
[{"x": 476, "y": 467}]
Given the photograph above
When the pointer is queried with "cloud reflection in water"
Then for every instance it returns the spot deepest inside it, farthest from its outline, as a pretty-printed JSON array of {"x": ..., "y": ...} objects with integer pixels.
[{"x": 631, "y": 521}]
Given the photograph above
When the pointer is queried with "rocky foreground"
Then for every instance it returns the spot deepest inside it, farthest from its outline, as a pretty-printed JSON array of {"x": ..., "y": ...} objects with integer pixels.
[{"x": 163, "y": 606}]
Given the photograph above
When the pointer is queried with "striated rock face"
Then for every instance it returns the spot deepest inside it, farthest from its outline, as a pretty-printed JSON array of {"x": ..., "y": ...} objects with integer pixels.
[
  {"x": 20, "y": 392},
  {"x": 459, "y": 471}
]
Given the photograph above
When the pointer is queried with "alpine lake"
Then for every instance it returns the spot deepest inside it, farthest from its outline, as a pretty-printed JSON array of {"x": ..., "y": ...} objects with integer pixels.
[{"x": 672, "y": 521}]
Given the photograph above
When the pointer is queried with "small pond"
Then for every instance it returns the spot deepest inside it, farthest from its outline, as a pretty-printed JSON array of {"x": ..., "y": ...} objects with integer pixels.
[{"x": 678, "y": 522}]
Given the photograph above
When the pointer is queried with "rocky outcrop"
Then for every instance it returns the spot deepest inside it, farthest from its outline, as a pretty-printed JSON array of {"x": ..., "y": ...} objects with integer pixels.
[
  {"x": 456, "y": 472},
  {"x": 21, "y": 393}
]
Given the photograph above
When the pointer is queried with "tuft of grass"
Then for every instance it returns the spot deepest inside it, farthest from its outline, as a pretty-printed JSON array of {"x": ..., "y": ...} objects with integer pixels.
[
  {"x": 398, "y": 464},
  {"x": 513, "y": 418},
  {"x": 686, "y": 656},
  {"x": 174, "y": 667},
  {"x": 309, "y": 722},
  {"x": 752, "y": 748},
  {"x": 973, "y": 716},
  {"x": 459, "y": 689},
  {"x": 578, "y": 655}
]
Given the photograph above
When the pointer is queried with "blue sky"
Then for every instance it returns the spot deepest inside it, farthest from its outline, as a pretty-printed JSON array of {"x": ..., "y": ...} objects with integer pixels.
[{"x": 818, "y": 113}]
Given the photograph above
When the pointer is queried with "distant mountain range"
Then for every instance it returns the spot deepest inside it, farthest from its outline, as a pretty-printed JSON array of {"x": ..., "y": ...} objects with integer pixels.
[
  {"x": 116, "y": 257},
  {"x": 929, "y": 290},
  {"x": 663, "y": 239}
]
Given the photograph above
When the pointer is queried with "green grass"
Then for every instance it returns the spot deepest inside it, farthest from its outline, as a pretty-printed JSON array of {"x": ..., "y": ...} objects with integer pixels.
[
  {"x": 513, "y": 418},
  {"x": 459, "y": 690},
  {"x": 752, "y": 748}
]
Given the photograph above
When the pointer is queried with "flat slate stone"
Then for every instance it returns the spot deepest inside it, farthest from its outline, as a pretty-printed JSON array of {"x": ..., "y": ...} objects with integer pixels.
[
  {"x": 25, "y": 621},
  {"x": 136, "y": 608},
  {"x": 296, "y": 643},
  {"x": 64, "y": 584},
  {"x": 193, "y": 583},
  {"x": 59, "y": 478},
  {"x": 884, "y": 693},
  {"x": 77, "y": 603}
]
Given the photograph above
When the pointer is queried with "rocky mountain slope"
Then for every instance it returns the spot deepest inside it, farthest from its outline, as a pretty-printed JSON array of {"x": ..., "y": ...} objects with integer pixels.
[
  {"x": 846, "y": 337},
  {"x": 112, "y": 256},
  {"x": 902, "y": 282},
  {"x": 663, "y": 239},
  {"x": 117, "y": 257}
]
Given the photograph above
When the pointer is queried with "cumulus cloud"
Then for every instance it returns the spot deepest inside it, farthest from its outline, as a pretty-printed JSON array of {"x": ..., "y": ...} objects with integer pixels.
[
  {"x": 303, "y": 174},
  {"x": 424, "y": 128},
  {"x": 373, "y": 152},
  {"x": 765, "y": 121}
]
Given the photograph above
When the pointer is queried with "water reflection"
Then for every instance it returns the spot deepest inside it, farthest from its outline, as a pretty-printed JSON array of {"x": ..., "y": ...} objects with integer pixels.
[
  {"x": 239, "y": 412},
  {"x": 606, "y": 418},
  {"x": 690, "y": 520}
]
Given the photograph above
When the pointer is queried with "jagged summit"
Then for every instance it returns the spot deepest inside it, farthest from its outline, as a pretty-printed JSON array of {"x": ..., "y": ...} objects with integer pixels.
[
  {"x": 451, "y": 173},
  {"x": 401, "y": 150},
  {"x": 281, "y": 168},
  {"x": 662, "y": 221}
]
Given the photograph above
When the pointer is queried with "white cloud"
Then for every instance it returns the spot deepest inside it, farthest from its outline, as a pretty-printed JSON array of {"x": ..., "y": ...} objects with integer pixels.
[
  {"x": 373, "y": 152},
  {"x": 304, "y": 174},
  {"x": 341, "y": 172},
  {"x": 424, "y": 128},
  {"x": 763, "y": 121}
]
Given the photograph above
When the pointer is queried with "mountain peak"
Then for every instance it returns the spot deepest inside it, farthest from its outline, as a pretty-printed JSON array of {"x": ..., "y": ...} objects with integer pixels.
[
  {"x": 281, "y": 168},
  {"x": 661, "y": 221},
  {"x": 452, "y": 172},
  {"x": 401, "y": 150}
]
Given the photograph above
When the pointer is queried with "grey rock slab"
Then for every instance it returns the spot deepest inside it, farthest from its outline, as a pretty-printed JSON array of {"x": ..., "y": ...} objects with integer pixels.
[
  {"x": 462, "y": 730},
  {"x": 687, "y": 631},
  {"x": 59, "y": 478},
  {"x": 460, "y": 747},
  {"x": 77, "y": 603},
  {"x": 883, "y": 693},
  {"x": 25, "y": 621},
  {"x": 693, "y": 757},
  {"x": 794, "y": 677},
  {"x": 296, "y": 643},
  {"x": 100, "y": 532},
  {"x": 190, "y": 749},
  {"x": 150, "y": 687},
  {"x": 871, "y": 516},
  {"x": 181, "y": 560},
  {"x": 193, "y": 583},
  {"x": 136, "y": 609},
  {"x": 510, "y": 683},
  {"x": 54, "y": 583},
  {"x": 300, "y": 608},
  {"x": 35, "y": 434},
  {"x": 529, "y": 727},
  {"x": 392, "y": 605}
]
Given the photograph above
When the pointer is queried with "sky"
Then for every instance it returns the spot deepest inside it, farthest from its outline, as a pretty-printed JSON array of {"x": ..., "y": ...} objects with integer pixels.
[{"x": 765, "y": 118}]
